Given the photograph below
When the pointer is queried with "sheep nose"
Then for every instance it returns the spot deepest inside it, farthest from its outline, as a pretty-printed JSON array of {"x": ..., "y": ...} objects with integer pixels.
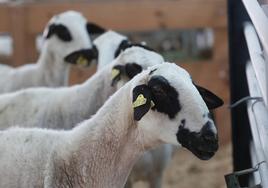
[{"x": 208, "y": 133}]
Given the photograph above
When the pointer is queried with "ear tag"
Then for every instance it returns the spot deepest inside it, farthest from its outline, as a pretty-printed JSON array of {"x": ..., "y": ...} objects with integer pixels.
[
  {"x": 141, "y": 100},
  {"x": 115, "y": 73},
  {"x": 82, "y": 61}
]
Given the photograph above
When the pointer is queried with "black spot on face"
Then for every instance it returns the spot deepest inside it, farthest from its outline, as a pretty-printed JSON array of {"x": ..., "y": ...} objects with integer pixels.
[
  {"x": 132, "y": 69},
  {"x": 127, "y": 44},
  {"x": 202, "y": 144},
  {"x": 61, "y": 31},
  {"x": 164, "y": 96}
]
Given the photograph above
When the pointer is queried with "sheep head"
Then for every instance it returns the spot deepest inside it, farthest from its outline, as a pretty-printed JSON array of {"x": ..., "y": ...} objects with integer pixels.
[
  {"x": 68, "y": 35},
  {"x": 169, "y": 108},
  {"x": 131, "y": 62}
]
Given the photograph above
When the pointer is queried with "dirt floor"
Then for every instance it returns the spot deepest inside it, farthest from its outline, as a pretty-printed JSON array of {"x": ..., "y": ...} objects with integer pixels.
[{"x": 186, "y": 171}]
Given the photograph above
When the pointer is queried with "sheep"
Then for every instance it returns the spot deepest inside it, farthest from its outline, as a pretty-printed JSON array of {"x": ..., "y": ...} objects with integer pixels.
[
  {"x": 160, "y": 105},
  {"x": 62, "y": 108},
  {"x": 66, "y": 40},
  {"x": 151, "y": 165}
]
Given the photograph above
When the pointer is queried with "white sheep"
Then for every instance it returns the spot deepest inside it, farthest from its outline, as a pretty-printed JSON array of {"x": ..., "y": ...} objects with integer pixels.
[
  {"x": 151, "y": 165},
  {"x": 160, "y": 105},
  {"x": 62, "y": 108},
  {"x": 66, "y": 40}
]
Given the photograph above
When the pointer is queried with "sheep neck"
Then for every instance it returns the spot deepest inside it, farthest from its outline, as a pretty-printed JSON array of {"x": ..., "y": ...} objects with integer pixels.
[
  {"x": 99, "y": 84},
  {"x": 53, "y": 69},
  {"x": 106, "y": 146}
]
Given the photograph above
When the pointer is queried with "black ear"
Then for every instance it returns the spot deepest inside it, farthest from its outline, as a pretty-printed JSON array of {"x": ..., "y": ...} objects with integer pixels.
[
  {"x": 82, "y": 57},
  {"x": 212, "y": 101},
  {"x": 132, "y": 69},
  {"x": 59, "y": 30},
  {"x": 127, "y": 44},
  {"x": 142, "y": 101},
  {"x": 94, "y": 28}
]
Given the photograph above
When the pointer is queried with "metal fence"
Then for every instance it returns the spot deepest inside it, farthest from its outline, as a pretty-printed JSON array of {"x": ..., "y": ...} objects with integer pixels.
[{"x": 256, "y": 35}]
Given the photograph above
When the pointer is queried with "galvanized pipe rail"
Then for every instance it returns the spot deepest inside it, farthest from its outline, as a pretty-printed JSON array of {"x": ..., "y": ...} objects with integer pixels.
[{"x": 257, "y": 77}]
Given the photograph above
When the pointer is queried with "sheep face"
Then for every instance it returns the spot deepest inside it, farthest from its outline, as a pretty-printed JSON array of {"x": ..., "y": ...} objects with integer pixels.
[
  {"x": 169, "y": 108},
  {"x": 67, "y": 35},
  {"x": 109, "y": 42},
  {"x": 131, "y": 62},
  {"x": 106, "y": 45}
]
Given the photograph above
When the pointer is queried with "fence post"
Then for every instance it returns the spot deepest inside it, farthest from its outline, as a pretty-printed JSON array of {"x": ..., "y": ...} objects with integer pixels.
[{"x": 18, "y": 33}]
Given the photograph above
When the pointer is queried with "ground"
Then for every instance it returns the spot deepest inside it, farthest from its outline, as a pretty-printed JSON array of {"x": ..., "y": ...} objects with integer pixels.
[{"x": 186, "y": 171}]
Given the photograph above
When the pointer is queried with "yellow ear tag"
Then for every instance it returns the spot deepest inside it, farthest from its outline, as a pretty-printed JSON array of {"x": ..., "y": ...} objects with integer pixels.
[
  {"x": 82, "y": 61},
  {"x": 115, "y": 73},
  {"x": 141, "y": 100}
]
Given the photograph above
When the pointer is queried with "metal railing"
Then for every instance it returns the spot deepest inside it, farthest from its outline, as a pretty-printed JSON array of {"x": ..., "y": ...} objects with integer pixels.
[{"x": 256, "y": 35}]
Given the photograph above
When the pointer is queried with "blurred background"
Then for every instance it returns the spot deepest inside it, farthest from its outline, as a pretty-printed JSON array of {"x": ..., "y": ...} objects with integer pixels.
[{"x": 192, "y": 33}]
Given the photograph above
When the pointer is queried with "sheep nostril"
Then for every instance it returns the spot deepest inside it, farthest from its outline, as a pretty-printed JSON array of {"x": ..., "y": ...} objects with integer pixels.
[
  {"x": 207, "y": 133},
  {"x": 209, "y": 137}
]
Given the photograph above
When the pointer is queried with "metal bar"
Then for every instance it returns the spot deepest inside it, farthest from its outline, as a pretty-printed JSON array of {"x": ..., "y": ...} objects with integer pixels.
[
  {"x": 260, "y": 22},
  {"x": 258, "y": 123},
  {"x": 256, "y": 57}
]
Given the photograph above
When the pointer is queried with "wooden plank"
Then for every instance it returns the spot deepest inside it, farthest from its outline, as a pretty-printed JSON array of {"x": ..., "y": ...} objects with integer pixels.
[
  {"x": 4, "y": 18},
  {"x": 18, "y": 33},
  {"x": 136, "y": 15},
  {"x": 256, "y": 57}
]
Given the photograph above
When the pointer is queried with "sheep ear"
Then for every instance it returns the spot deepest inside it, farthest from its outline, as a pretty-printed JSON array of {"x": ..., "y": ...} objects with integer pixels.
[
  {"x": 142, "y": 101},
  {"x": 117, "y": 71},
  {"x": 59, "y": 30},
  {"x": 82, "y": 57},
  {"x": 93, "y": 28},
  {"x": 212, "y": 101}
]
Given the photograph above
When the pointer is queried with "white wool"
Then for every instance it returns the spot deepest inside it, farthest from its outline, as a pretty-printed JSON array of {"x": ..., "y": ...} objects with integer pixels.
[
  {"x": 50, "y": 70},
  {"x": 99, "y": 152},
  {"x": 62, "y": 108}
]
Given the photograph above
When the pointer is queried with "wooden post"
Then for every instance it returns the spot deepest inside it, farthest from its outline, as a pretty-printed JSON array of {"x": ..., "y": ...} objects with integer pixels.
[
  {"x": 220, "y": 58},
  {"x": 18, "y": 33}
]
